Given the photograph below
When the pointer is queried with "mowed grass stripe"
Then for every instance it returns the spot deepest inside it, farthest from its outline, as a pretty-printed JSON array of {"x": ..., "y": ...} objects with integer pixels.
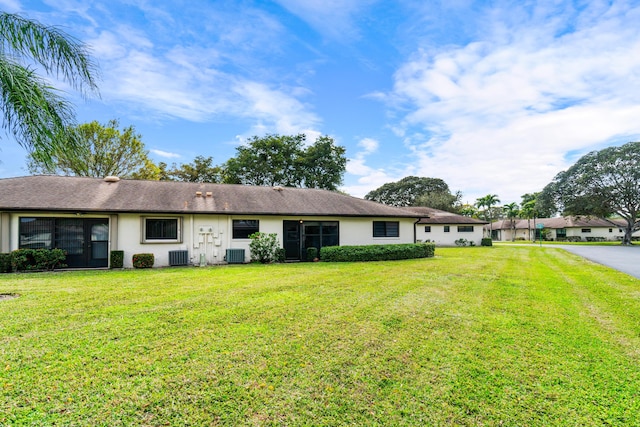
[{"x": 475, "y": 336}]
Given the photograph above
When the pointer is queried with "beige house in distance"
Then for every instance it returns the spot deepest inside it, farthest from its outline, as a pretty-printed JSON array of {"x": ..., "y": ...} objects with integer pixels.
[
  {"x": 185, "y": 223},
  {"x": 568, "y": 228}
]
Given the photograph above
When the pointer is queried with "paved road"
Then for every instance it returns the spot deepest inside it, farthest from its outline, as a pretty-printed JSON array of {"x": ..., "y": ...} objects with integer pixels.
[{"x": 622, "y": 258}]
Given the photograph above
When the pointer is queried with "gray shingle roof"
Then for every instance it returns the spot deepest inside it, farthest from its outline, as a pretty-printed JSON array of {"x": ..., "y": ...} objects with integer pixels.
[
  {"x": 437, "y": 216},
  {"x": 76, "y": 194}
]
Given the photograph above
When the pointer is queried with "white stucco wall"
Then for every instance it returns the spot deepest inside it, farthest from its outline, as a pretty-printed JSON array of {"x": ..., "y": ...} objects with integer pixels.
[
  {"x": 440, "y": 237},
  {"x": 208, "y": 235},
  {"x": 597, "y": 232}
]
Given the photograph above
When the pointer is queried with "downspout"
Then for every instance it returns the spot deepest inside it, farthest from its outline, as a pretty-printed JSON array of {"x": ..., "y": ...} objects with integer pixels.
[{"x": 415, "y": 232}]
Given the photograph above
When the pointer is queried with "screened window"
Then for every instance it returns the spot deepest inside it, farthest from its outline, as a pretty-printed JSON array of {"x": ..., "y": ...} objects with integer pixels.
[
  {"x": 446, "y": 228},
  {"x": 561, "y": 233},
  {"x": 243, "y": 228},
  {"x": 36, "y": 233},
  {"x": 465, "y": 229},
  {"x": 427, "y": 229},
  {"x": 161, "y": 230},
  {"x": 320, "y": 234},
  {"x": 386, "y": 229},
  {"x": 586, "y": 230}
]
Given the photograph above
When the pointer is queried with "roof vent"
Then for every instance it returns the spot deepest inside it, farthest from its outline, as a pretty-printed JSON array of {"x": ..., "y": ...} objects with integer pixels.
[
  {"x": 111, "y": 178},
  {"x": 198, "y": 193},
  {"x": 278, "y": 188},
  {"x": 209, "y": 194}
]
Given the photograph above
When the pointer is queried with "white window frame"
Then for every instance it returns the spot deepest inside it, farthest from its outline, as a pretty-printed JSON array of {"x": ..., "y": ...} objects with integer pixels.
[{"x": 143, "y": 229}]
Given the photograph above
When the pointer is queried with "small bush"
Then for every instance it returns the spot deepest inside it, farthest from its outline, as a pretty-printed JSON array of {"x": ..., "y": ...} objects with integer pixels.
[
  {"x": 117, "y": 259},
  {"x": 281, "y": 255},
  {"x": 143, "y": 260},
  {"x": 5, "y": 263},
  {"x": 377, "y": 252},
  {"x": 38, "y": 259},
  {"x": 486, "y": 241},
  {"x": 264, "y": 247},
  {"x": 312, "y": 253}
]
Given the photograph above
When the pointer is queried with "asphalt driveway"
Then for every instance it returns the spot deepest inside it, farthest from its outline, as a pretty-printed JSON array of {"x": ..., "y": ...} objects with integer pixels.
[{"x": 622, "y": 258}]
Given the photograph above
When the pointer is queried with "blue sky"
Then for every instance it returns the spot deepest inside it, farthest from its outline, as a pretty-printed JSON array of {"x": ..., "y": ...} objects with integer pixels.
[{"x": 490, "y": 96}]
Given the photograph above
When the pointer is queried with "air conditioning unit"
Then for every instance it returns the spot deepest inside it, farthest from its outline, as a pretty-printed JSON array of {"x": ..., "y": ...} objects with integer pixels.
[
  {"x": 235, "y": 256},
  {"x": 179, "y": 257}
]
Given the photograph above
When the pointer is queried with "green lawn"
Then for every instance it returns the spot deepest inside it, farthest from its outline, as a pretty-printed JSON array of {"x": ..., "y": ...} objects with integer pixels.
[{"x": 506, "y": 335}]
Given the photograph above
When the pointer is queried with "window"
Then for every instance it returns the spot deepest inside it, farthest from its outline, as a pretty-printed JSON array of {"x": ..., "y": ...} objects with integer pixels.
[
  {"x": 427, "y": 229},
  {"x": 243, "y": 228},
  {"x": 36, "y": 233},
  {"x": 386, "y": 229},
  {"x": 586, "y": 230},
  {"x": 561, "y": 233},
  {"x": 446, "y": 228},
  {"x": 611, "y": 230},
  {"x": 465, "y": 229},
  {"x": 160, "y": 230}
]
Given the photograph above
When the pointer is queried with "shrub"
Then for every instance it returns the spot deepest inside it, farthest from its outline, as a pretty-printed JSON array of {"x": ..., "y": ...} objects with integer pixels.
[
  {"x": 281, "y": 255},
  {"x": 461, "y": 242},
  {"x": 264, "y": 247},
  {"x": 38, "y": 259},
  {"x": 117, "y": 259},
  {"x": 312, "y": 253},
  {"x": 486, "y": 241},
  {"x": 377, "y": 252},
  {"x": 5, "y": 263},
  {"x": 143, "y": 260}
]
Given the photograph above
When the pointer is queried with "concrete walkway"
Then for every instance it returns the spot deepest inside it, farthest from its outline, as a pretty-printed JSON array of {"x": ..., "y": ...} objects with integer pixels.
[{"x": 622, "y": 258}]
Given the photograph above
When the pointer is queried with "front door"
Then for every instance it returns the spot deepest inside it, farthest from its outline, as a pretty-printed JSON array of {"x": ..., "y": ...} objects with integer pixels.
[
  {"x": 86, "y": 241},
  {"x": 291, "y": 233}
]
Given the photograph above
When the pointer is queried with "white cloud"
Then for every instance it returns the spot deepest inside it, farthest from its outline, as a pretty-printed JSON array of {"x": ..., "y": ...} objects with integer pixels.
[
  {"x": 368, "y": 145},
  {"x": 200, "y": 80},
  {"x": 165, "y": 154},
  {"x": 10, "y": 6},
  {"x": 501, "y": 114},
  {"x": 366, "y": 177},
  {"x": 333, "y": 18}
]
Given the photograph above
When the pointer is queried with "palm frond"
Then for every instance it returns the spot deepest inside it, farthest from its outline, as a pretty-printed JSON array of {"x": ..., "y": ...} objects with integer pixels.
[{"x": 57, "y": 52}]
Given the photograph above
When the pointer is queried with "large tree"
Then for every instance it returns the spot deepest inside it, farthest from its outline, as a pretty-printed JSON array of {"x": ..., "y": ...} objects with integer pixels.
[
  {"x": 33, "y": 111},
  {"x": 201, "y": 170},
  {"x": 408, "y": 190},
  {"x": 601, "y": 183},
  {"x": 283, "y": 160},
  {"x": 324, "y": 164},
  {"x": 102, "y": 150}
]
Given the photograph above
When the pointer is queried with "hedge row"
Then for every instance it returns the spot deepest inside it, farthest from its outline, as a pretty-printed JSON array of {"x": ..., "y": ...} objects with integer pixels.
[
  {"x": 32, "y": 259},
  {"x": 377, "y": 252}
]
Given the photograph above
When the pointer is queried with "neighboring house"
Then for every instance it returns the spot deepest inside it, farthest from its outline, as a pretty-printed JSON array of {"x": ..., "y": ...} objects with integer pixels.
[
  {"x": 182, "y": 222},
  {"x": 445, "y": 228},
  {"x": 583, "y": 228}
]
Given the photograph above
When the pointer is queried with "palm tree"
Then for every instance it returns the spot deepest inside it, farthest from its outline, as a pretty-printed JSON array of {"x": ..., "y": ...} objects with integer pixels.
[
  {"x": 488, "y": 201},
  {"x": 511, "y": 211},
  {"x": 33, "y": 111},
  {"x": 528, "y": 211}
]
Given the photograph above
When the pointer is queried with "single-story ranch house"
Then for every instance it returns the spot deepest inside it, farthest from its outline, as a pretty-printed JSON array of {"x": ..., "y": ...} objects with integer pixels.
[
  {"x": 185, "y": 223},
  {"x": 584, "y": 228},
  {"x": 445, "y": 228}
]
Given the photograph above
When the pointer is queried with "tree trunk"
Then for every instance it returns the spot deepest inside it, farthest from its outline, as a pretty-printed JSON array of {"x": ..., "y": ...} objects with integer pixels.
[{"x": 628, "y": 231}]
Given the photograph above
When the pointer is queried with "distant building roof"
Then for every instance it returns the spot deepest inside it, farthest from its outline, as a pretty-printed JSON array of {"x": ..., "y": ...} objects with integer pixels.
[
  {"x": 437, "y": 216},
  {"x": 79, "y": 194}
]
